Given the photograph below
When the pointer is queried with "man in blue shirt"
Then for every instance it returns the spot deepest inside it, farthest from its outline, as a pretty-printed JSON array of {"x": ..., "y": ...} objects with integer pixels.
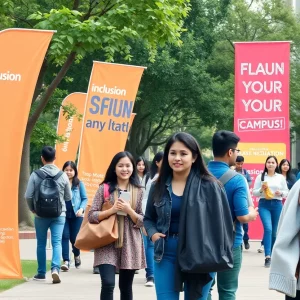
[{"x": 225, "y": 150}]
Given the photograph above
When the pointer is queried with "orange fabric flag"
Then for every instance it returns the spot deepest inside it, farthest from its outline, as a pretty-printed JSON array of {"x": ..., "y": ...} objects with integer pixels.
[
  {"x": 22, "y": 53},
  {"x": 108, "y": 116},
  {"x": 70, "y": 129}
]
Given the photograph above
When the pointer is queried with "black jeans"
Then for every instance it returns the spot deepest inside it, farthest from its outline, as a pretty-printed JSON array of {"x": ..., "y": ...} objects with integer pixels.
[
  {"x": 297, "y": 297},
  {"x": 107, "y": 274},
  {"x": 246, "y": 228}
]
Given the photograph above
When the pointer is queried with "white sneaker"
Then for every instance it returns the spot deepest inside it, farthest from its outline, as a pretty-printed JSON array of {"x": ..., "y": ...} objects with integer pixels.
[
  {"x": 65, "y": 266},
  {"x": 260, "y": 249},
  {"x": 55, "y": 276},
  {"x": 149, "y": 282}
]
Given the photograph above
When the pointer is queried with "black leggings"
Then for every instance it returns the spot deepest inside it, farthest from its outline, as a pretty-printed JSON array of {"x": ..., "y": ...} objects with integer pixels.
[
  {"x": 107, "y": 275},
  {"x": 297, "y": 297}
]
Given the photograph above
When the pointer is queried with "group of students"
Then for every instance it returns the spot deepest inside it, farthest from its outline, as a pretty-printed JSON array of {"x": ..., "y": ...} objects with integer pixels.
[
  {"x": 177, "y": 215},
  {"x": 279, "y": 179}
]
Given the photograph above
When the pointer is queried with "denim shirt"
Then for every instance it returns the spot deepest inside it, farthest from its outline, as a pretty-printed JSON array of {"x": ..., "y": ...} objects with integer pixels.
[
  {"x": 79, "y": 198},
  {"x": 158, "y": 217}
]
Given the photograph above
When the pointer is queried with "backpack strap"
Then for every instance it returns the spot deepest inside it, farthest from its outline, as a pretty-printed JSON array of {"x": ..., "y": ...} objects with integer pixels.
[
  {"x": 229, "y": 174},
  {"x": 43, "y": 175},
  {"x": 58, "y": 175},
  {"x": 106, "y": 191},
  {"x": 40, "y": 174}
]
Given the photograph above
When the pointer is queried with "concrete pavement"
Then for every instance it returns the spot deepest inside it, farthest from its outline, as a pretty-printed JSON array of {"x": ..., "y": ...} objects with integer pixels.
[{"x": 80, "y": 283}]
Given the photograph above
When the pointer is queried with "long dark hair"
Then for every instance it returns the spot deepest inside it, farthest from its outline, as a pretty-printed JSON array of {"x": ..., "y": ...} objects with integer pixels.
[
  {"x": 156, "y": 159},
  {"x": 146, "y": 170},
  {"x": 289, "y": 174},
  {"x": 75, "y": 180},
  {"x": 166, "y": 171},
  {"x": 266, "y": 170},
  {"x": 111, "y": 176}
]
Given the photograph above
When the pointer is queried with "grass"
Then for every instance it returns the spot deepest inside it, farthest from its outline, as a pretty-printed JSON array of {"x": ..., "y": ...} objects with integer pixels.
[{"x": 29, "y": 268}]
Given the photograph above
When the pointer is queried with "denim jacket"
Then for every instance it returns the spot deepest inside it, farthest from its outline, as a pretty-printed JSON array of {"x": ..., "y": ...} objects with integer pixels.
[
  {"x": 158, "y": 218},
  {"x": 79, "y": 198}
]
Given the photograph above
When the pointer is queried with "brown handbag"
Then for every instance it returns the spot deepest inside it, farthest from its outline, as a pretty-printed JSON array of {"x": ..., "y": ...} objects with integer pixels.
[{"x": 93, "y": 236}]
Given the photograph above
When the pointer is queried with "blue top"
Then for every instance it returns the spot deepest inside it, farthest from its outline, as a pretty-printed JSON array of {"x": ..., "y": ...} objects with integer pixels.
[
  {"x": 79, "y": 200},
  {"x": 237, "y": 194},
  {"x": 175, "y": 213}
]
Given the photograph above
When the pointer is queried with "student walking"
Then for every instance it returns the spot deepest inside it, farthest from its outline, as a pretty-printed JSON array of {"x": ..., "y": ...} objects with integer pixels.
[
  {"x": 286, "y": 170},
  {"x": 127, "y": 253},
  {"x": 48, "y": 214},
  {"x": 239, "y": 168},
  {"x": 142, "y": 171},
  {"x": 149, "y": 247},
  {"x": 74, "y": 215},
  {"x": 180, "y": 221},
  {"x": 225, "y": 150},
  {"x": 270, "y": 187}
]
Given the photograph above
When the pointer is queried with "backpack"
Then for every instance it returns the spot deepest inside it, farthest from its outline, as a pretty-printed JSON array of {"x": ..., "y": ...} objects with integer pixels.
[
  {"x": 229, "y": 174},
  {"x": 47, "y": 200}
]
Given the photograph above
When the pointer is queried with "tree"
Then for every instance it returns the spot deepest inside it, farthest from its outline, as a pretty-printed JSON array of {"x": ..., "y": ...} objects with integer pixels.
[
  {"x": 177, "y": 93},
  {"x": 84, "y": 27}
]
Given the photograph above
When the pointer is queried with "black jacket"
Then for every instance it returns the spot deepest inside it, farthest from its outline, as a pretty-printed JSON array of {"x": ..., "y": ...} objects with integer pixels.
[{"x": 205, "y": 234}]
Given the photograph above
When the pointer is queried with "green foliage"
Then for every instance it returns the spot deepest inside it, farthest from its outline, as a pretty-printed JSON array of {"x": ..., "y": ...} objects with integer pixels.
[{"x": 109, "y": 25}]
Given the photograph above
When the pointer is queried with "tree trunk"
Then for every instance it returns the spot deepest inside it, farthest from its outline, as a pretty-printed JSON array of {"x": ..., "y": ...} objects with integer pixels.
[{"x": 24, "y": 213}]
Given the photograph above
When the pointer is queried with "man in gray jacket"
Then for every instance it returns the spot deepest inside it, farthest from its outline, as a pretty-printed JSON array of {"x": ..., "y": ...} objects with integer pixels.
[{"x": 56, "y": 224}]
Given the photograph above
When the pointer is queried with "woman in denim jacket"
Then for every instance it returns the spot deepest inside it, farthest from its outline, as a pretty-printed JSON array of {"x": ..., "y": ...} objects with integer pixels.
[
  {"x": 182, "y": 162},
  {"x": 74, "y": 215}
]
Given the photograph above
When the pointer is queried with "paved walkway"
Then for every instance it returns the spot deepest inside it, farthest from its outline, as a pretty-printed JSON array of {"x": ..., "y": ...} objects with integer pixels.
[{"x": 82, "y": 284}]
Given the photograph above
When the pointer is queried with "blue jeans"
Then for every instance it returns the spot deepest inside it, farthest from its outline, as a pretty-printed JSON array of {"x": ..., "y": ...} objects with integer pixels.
[
  {"x": 70, "y": 232},
  {"x": 149, "y": 250},
  {"x": 269, "y": 211},
  {"x": 56, "y": 226},
  {"x": 164, "y": 275}
]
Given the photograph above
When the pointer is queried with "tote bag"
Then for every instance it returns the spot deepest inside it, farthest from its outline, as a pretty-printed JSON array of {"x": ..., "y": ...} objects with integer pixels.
[{"x": 93, "y": 236}]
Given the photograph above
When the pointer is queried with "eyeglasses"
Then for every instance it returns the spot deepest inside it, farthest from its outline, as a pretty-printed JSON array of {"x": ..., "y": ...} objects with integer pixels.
[{"x": 237, "y": 150}]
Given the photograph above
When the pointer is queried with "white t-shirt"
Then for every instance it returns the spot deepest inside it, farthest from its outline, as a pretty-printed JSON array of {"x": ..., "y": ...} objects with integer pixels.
[
  {"x": 146, "y": 193},
  {"x": 276, "y": 183}
]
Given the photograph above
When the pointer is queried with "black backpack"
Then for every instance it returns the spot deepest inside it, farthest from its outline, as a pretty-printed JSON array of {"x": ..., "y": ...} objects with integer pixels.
[{"x": 47, "y": 200}]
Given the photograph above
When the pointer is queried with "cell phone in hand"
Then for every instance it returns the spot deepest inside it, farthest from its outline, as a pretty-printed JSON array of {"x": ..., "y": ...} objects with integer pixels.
[{"x": 125, "y": 196}]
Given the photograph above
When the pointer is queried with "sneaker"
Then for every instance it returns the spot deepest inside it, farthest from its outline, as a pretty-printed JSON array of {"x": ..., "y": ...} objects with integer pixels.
[
  {"x": 260, "y": 249},
  {"x": 39, "y": 277},
  {"x": 149, "y": 282},
  {"x": 247, "y": 245},
  {"x": 268, "y": 262},
  {"x": 65, "y": 266},
  {"x": 55, "y": 276},
  {"x": 77, "y": 261},
  {"x": 96, "y": 270}
]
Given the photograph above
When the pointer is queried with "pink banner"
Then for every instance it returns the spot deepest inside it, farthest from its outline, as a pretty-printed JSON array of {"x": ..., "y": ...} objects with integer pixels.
[{"x": 261, "y": 111}]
